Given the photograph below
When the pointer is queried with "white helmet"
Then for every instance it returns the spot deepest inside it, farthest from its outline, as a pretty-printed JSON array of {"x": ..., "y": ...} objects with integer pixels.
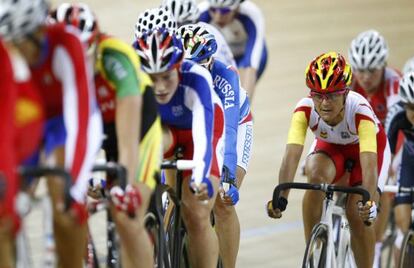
[
  {"x": 407, "y": 88},
  {"x": 153, "y": 18},
  {"x": 184, "y": 11},
  {"x": 225, "y": 3},
  {"x": 78, "y": 15},
  {"x": 160, "y": 50},
  {"x": 368, "y": 51},
  {"x": 409, "y": 66},
  {"x": 21, "y": 17}
]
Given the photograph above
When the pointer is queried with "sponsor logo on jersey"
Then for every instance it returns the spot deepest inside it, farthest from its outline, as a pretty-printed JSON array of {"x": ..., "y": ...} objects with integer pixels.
[
  {"x": 247, "y": 144},
  {"x": 324, "y": 134},
  {"x": 177, "y": 110},
  {"x": 345, "y": 135}
]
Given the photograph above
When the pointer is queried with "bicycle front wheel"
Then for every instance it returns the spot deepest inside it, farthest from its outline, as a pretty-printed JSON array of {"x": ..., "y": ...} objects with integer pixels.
[
  {"x": 316, "y": 248},
  {"x": 407, "y": 251}
]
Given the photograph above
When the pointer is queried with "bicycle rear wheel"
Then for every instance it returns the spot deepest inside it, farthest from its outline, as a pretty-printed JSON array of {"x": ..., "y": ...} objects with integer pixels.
[
  {"x": 407, "y": 251},
  {"x": 316, "y": 248}
]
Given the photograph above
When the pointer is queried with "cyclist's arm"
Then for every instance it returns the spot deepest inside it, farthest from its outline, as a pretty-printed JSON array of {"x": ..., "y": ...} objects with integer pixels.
[
  {"x": 368, "y": 153},
  {"x": 294, "y": 148},
  {"x": 231, "y": 107},
  {"x": 121, "y": 72},
  {"x": 200, "y": 103},
  {"x": 70, "y": 67},
  {"x": 394, "y": 117},
  {"x": 8, "y": 95},
  {"x": 252, "y": 19}
]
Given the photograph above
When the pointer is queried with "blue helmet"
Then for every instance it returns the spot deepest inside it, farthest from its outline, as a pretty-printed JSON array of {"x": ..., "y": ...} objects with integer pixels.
[
  {"x": 160, "y": 50},
  {"x": 199, "y": 44}
]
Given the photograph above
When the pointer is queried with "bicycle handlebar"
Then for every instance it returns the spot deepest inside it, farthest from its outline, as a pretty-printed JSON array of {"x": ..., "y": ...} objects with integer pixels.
[
  {"x": 39, "y": 171},
  {"x": 178, "y": 164},
  {"x": 321, "y": 187},
  {"x": 119, "y": 170}
]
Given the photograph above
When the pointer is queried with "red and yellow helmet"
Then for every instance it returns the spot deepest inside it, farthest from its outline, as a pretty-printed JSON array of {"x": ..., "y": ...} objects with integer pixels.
[{"x": 328, "y": 72}]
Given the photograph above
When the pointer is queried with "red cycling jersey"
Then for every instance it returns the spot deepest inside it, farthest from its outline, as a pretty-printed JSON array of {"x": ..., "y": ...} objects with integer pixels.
[
  {"x": 386, "y": 96},
  {"x": 65, "y": 82}
]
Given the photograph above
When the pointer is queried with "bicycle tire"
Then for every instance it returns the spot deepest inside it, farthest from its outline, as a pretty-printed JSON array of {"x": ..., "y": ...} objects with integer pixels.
[
  {"x": 313, "y": 258},
  {"x": 153, "y": 228},
  {"x": 407, "y": 251},
  {"x": 169, "y": 223}
]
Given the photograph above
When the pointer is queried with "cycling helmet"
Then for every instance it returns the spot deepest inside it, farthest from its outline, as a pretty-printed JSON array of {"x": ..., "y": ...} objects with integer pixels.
[
  {"x": 407, "y": 88},
  {"x": 328, "y": 72},
  {"x": 160, "y": 50},
  {"x": 19, "y": 18},
  {"x": 184, "y": 11},
  {"x": 368, "y": 51},
  {"x": 199, "y": 44},
  {"x": 154, "y": 18},
  {"x": 409, "y": 66},
  {"x": 225, "y": 3},
  {"x": 80, "y": 16}
]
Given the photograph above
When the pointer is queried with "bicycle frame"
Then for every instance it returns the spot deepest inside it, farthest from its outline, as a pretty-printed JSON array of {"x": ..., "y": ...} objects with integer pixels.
[
  {"x": 342, "y": 257},
  {"x": 335, "y": 259}
]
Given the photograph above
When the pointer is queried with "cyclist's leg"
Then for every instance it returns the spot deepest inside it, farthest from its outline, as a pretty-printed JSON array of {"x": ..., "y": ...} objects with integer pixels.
[
  {"x": 70, "y": 228},
  {"x": 319, "y": 168},
  {"x": 227, "y": 227},
  {"x": 403, "y": 201},
  {"x": 70, "y": 236},
  {"x": 227, "y": 223},
  {"x": 362, "y": 236},
  {"x": 203, "y": 242},
  {"x": 136, "y": 247}
]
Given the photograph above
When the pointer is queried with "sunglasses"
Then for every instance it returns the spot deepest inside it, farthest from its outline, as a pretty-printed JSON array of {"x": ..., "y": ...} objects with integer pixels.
[
  {"x": 221, "y": 10},
  {"x": 334, "y": 96}
]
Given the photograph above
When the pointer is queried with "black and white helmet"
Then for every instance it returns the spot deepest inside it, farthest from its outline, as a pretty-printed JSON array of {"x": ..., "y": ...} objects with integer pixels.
[
  {"x": 368, "y": 51},
  {"x": 154, "y": 18},
  {"x": 407, "y": 88},
  {"x": 409, "y": 66},
  {"x": 225, "y": 3},
  {"x": 184, "y": 11},
  {"x": 21, "y": 17}
]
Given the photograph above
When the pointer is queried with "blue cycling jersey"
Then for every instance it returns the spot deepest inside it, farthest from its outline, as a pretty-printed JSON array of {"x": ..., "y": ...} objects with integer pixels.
[{"x": 192, "y": 107}]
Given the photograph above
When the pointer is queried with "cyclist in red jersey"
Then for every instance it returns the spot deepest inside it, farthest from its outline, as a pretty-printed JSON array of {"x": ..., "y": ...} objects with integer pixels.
[
  {"x": 8, "y": 160},
  {"x": 378, "y": 83},
  {"x": 73, "y": 132}
]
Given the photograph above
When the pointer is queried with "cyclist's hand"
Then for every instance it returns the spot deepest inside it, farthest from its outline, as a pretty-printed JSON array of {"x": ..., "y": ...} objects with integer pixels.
[
  {"x": 367, "y": 212},
  {"x": 203, "y": 192},
  {"x": 229, "y": 194},
  {"x": 96, "y": 188},
  {"x": 276, "y": 213},
  {"x": 127, "y": 201}
]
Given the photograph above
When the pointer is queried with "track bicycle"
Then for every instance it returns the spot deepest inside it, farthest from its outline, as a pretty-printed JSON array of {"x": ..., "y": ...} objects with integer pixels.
[
  {"x": 327, "y": 248},
  {"x": 406, "y": 259},
  {"x": 175, "y": 230}
]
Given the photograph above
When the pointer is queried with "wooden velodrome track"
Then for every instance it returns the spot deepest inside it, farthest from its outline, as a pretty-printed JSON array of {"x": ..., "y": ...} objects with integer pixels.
[{"x": 296, "y": 31}]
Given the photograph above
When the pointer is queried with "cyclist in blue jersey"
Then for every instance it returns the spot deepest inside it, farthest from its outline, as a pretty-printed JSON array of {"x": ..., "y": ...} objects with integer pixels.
[
  {"x": 401, "y": 118},
  {"x": 242, "y": 24},
  {"x": 200, "y": 46},
  {"x": 193, "y": 118}
]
